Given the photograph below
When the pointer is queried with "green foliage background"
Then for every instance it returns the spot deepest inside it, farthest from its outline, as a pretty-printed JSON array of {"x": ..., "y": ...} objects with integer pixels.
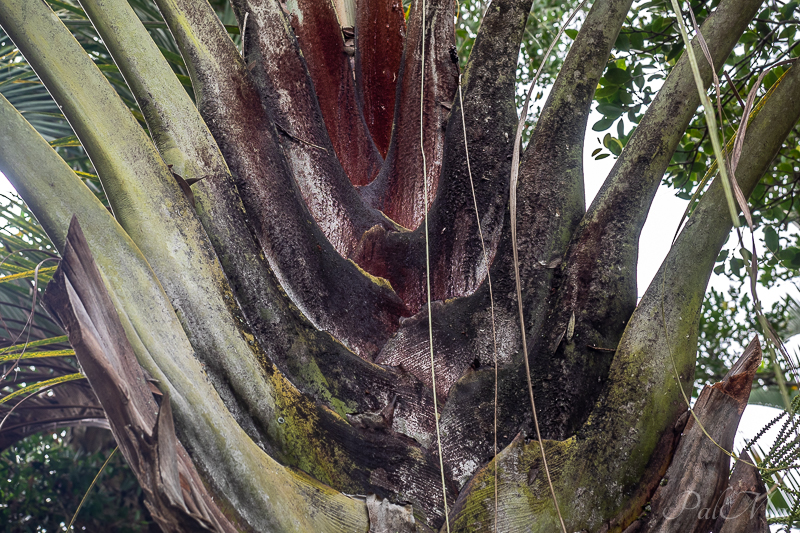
[{"x": 44, "y": 478}]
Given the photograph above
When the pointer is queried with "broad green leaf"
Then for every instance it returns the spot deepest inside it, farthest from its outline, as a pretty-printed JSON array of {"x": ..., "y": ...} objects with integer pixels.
[{"x": 603, "y": 124}]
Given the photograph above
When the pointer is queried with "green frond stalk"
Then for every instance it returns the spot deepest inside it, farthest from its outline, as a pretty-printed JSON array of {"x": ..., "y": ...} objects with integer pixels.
[{"x": 268, "y": 499}]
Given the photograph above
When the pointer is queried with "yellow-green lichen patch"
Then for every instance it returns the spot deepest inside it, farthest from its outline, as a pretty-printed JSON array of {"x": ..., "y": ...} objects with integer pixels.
[
  {"x": 382, "y": 282},
  {"x": 306, "y": 369},
  {"x": 304, "y": 443}
]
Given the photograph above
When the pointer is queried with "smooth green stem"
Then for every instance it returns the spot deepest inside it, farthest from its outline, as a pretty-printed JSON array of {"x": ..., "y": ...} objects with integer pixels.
[
  {"x": 178, "y": 130},
  {"x": 230, "y": 28}
]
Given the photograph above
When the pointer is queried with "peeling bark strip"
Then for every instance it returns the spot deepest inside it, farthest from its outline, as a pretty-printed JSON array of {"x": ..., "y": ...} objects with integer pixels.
[
  {"x": 281, "y": 76},
  {"x": 691, "y": 499},
  {"x": 398, "y": 189},
  {"x": 379, "y": 35},
  {"x": 144, "y": 430},
  {"x": 329, "y": 57}
]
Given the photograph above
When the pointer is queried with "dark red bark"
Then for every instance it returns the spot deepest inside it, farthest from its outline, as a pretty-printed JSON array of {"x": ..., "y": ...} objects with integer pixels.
[
  {"x": 398, "y": 190},
  {"x": 379, "y": 35},
  {"x": 331, "y": 67}
]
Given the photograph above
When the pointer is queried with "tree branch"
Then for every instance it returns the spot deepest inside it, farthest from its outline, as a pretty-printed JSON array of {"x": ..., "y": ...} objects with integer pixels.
[
  {"x": 152, "y": 209},
  {"x": 184, "y": 139},
  {"x": 551, "y": 204},
  {"x": 619, "y": 455},
  {"x": 254, "y": 390},
  {"x": 642, "y": 378},
  {"x": 597, "y": 285},
  {"x": 491, "y": 117},
  {"x": 174, "y": 492}
]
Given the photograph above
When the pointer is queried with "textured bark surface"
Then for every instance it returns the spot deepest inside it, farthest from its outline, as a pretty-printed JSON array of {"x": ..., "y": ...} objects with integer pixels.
[
  {"x": 267, "y": 502},
  {"x": 744, "y": 503},
  {"x": 457, "y": 262},
  {"x": 659, "y": 341},
  {"x": 331, "y": 291},
  {"x": 288, "y": 95},
  {"x": 314, "y": 371}
]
